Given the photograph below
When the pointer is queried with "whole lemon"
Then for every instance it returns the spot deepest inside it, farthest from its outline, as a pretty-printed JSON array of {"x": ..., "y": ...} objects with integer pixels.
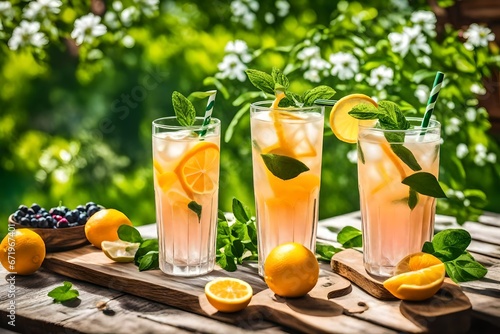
[
  {"x": 22, "y": 251},
  {"x": 103, "y": 226},
  {"x": 291, "y": 270}
]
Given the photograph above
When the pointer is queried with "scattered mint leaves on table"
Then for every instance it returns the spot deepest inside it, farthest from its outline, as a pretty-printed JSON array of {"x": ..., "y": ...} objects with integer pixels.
[
  {"x": 64, "y": 293},
  {"x": 146, "y": 257},
  {"x": 350, "y": 237}
]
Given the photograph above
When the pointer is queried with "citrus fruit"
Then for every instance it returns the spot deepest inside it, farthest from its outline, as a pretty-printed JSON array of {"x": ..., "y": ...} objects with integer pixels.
[
  {"x": 291, "y": 270},
  {"x": 119, "y": 250},
  {"x": 343, "y": 125},
  {"x": 228, "y": 294},
  {"x": 103, "y": 226},
  {"x": 418, "y": 276},
  {"x": 26, "y": 249},
  {"x": 198, "y": 169}
]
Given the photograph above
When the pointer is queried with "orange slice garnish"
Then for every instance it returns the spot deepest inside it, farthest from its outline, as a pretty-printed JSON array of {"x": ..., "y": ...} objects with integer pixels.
[
  {"x": 228, "y": 294},
  {"x": 198, "y": 169}
]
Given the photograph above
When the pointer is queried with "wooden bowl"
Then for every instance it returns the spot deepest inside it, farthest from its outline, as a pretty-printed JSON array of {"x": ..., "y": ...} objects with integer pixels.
[{"x": 58, "y": 239}]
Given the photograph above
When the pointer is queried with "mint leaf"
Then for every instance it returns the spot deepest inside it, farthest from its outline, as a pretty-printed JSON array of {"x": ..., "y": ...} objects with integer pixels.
[
  {"x": 240, "y": 211},
  {"x": 361, "y": 155},
  {"x": 428, "y": 247},
  {"x": 226, "y": 262},
  {"x": 365, "y": 111},
  {"x": 426, "y": 184},
  {"x": 146, "y": 246},
  {"x": 350, "y": 237},
  {"x": 184, "y": 109},
  {"x": 465, "y": 268},
  {"x": 393, "y": 118},
  {"x": 284, "y": 167},
  {"x": 129, "y": 233},
  {"x": 63, "y": 293},
  {"x": 261, "y": 80},
  {"x": 201, "y": 95},
  {"x": 412, "y": 199},
  {"x": 280, "y": 80},
  {"x": 326, "y": 252},
  {"x": 449, "y": 244},
  {"x": 291, "y": 100},
  {"x": 320, "y": 92},
  {"x": 406, "y": 156},
  {"x": 196, "y": 208},
  {"x": 149, "y": 261}
]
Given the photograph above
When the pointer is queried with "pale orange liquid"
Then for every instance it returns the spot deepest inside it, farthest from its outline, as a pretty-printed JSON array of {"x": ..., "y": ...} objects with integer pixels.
[
  {"x": 391, "y": 230},
  {"x": 186, "y": 243},
  {"x": 287, "y": 210}
]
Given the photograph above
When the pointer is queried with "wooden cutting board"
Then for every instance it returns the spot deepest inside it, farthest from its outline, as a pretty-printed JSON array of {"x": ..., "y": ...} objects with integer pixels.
[{"x": 333, "y": 306}]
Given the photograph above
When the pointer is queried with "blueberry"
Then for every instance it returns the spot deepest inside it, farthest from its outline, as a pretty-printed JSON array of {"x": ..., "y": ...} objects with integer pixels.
[
  {"x": 35, "y": 207},
  {"x": 75, "y": 213},
  {"x": 81, "y": 208},
  {"x": 25, "y": 221},
  {"x": 51, "y": 222},
  {"x": 23, "y": 208},
  {"x": 89, "y": 204},
  {"x": 62, "y": 223},
  {"x": 82, "y": 219},
  {"x": 31, "y": 212},
  {"x": 33, "y": 222},
  {"x": 42, "y": 211},
  {"x": 69, "y": 217},
  {"x": 42, "y": 222},
  {"x": 91, "y": 210}
]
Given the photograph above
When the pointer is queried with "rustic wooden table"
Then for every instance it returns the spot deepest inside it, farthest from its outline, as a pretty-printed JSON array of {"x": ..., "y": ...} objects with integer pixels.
[{"x": 125, "y": 313}]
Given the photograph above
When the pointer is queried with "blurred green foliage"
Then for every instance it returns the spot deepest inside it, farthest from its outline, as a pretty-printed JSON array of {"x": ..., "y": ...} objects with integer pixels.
[{"x": 75, "y": 121}]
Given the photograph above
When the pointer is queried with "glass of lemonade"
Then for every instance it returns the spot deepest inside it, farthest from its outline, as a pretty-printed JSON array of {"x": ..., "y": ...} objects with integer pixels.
[
  {"x": 186, "y": 183},
  {"x": 391, "y": 229},
  {"x": 286, "y": 205}
]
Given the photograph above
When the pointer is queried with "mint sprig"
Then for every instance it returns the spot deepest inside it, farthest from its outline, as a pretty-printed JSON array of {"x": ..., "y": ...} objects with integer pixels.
[
  {"x": 284, "y": 167},
  {"x": 146, "y": 257},
  {"x": 196, "y": 208},
  {"x": 278, "y": 81},
  {"x": 184, "y": 109},
  {"x": 64, "y": 293}
]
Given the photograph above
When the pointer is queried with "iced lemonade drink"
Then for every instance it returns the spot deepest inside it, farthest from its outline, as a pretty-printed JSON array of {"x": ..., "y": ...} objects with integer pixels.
[
  {"x": 286, "y": 151},
  {"x": 186, "y": 183},
  {"x": 392, "y": 229}
]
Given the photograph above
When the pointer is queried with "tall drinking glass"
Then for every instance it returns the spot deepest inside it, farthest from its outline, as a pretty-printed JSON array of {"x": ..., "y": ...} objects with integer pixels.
[
  {"x": 186, "y": 183},
  {"x": 286, "y": 203},
  {"x": 391, "y": 228}
]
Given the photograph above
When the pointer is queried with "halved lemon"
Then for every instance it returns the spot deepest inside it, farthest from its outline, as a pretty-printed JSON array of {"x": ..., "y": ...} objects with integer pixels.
[
  {"x": 343, "y": 125},
  {"x": 418, "y": 276},
  {"x": 198, "y": 169},
  {"x": 228, "y": 294},
  {"x": 119, "y": 250}
]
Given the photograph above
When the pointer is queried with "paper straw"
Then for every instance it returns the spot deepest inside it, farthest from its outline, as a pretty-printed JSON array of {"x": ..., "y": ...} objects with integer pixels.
[
  {"x": 208, "y": 112},
  {"x": 436, "y": 87}
]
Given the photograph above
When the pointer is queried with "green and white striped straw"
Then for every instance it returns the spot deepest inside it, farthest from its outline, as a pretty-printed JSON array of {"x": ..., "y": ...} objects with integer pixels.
[
  {"x": 208, "y": 112},
  {"x": 436, "y": 87}
]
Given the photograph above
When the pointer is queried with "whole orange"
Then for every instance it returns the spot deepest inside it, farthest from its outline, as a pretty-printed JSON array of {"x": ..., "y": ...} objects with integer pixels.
[
  {"x": 103, "y": 226},
  {"x": 22, "y": 251},
  {"x": 291, "y": 270}
]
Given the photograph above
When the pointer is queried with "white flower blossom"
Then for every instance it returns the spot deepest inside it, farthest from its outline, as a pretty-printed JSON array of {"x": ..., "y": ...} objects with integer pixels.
[
  {"x": 87, "y": 28},
  {"x": 148, "y": 7},
  {"x": 411, "y": 39},
  {"x": 283, "y": 8},
  {"x": 129, "y": 15},
  {"x": 128, "y": 41},
  {"x": 41, "y": 8},
  {"x": 111, "y": 19},
  {"x": 491, "y": 157},
  {"x": 27, "y": 33},
  {"x": 312, "y": 75},
  {"x": 450, "y": 105},
  {"x": 477, "y": 36},
  {"x": 117, "y": 5},
  {"x": 426, "y": 20},
  {"x": 422, "y": 93},
  {"x": 313, "y": 63},
  {"x": 380, "y": 77},
  {"x": 477, "y": 89},
  {"x": 307, "y": 53},
  {"x": 244, "y": 12},
  {"x": 401, "y": 4},
  {"x": 470, "y": 114},
  {"x": 240, "y": 48},
  {"x": 345, "y": 65},
  {"x": 269, "y": 18},
  {"x": 462, "y": 150},
  {"x": 6, "y": 10},
  {"x": 352, "y": 156},
  {"x": 232, "y": 67},
  {"x": 453, "y": 126},
  {"x": 426, "y": 60},
  {"x": 480, "y": 148}
]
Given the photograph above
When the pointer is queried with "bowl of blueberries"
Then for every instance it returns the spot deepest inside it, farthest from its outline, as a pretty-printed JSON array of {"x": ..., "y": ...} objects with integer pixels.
[{"x": 60, "y": 227}]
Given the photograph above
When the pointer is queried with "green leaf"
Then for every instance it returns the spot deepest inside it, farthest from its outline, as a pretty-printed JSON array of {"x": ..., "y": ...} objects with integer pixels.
[
  {"x": 365, "y": 111},
  {"x": 449, "y": 244},
  {"x": 129, "y": 233},
  {"x": 350, "y": 237},
  {"x": 406, "y": 156},
  {"x": 412, "y": 199},
  {"x": 184, "y": 109},
  {"x": 63, "y": 293},
  {"x": 280, "y": 80},
  {"x": 240, "y": 211},
  {"x": 394, "y": 118},
  {"x": 261, "y": 80},
  {"x": 201, "y": 95},
  {"x": 465, "y": 268},
  {"x": 326, "y": 252},
  {"x": 428, "y": 247},
  {"x": 146, "y": 246},
  {"x": 361, "y": 155},
  {"x": 237, "y": 249},
  {"x": 226, "y": 262},
  {"x": 426, "y": 184},
  {"x": 284, "y": 167},
  {"x": 291, "y": 100},
  {"x": 319, "y": 92},
  {"x": 149, "y": 261},
  {"x": 196, "y": 208}
]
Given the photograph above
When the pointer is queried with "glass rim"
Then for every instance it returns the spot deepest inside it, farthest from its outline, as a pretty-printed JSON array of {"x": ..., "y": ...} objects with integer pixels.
[
  {"x": 214, "y": 122},
  {"x": 433, "y": 125},
  {"x": 266, "y": 105}
]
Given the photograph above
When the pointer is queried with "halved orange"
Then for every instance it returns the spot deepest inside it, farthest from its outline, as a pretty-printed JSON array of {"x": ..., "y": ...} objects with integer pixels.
[
  {"x": 228, "y": 294},
  {"x": 198, "y": 169},
  {"x": 418, "y": 276},
  {"x": 344, "y": 126}
]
